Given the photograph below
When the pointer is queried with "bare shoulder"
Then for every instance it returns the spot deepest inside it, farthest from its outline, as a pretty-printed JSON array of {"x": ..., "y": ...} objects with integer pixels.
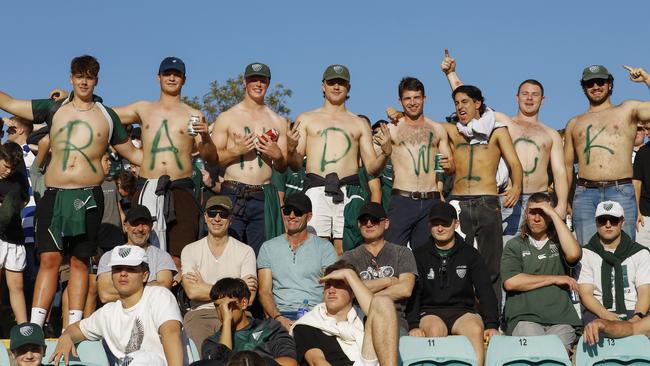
[
  {"x": 193, "y": 111},
  {"x": 502, "y": 117}
]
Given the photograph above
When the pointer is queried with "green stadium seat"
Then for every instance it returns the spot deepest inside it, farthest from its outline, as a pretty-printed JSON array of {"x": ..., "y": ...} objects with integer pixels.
[
  {"x": 545, "y": 350},
  {"x": 629, "y": 351},
  {"x": 448, "y": 351}
]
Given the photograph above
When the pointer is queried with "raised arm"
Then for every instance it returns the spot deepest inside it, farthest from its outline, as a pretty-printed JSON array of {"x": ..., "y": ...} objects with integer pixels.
[
  {"x": 569, "y": 154},
  {"x": 560, "y": 180},
  {"x": 374, "y": 162},
  {"x": 362, "y": 294},
  {"x": 448, "y": 67},
  {"x": 17, "y": 107},
  {"x": 296, "y": 143},
  {"x": 129, "y": 113},
  {"x": 516, "y": 172}
]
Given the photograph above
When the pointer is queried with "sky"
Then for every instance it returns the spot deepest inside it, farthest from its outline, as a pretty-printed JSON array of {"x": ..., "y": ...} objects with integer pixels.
[{"x": 496, "y": 44}]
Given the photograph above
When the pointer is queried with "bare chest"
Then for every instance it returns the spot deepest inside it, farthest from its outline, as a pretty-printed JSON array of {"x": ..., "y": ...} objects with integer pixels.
[{"x": 73, "y": 130}]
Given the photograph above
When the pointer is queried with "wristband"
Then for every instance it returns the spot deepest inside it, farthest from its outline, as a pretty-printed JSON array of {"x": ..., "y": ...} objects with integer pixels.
[{"x": 640, "y": 315}]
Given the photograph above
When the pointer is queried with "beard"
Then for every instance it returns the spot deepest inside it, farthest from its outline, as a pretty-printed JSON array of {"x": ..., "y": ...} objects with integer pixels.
[{"x": 596, "y": 102}]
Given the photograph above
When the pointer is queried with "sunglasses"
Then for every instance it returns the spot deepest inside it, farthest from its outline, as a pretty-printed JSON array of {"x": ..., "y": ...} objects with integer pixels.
[
  {"x": 286, "y": 211},
  {"x": 602, "y": 220},
  {"x": 363, "y": 220},
  {"x": 592, "y": 82},
  {"x": 212, "y": 213}
]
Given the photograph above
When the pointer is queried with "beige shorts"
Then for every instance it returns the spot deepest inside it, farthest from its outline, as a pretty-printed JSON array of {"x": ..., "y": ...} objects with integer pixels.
[
  {"x": 12, "y": 256},
  {"x": 327, "y": 217}
]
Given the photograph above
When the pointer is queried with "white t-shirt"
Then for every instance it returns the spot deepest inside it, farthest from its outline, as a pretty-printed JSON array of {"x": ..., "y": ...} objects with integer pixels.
[
  {"x": 136, "y": 328},
  {"x": 636, "y": 272},
  {"x": 237, "y": 260}
]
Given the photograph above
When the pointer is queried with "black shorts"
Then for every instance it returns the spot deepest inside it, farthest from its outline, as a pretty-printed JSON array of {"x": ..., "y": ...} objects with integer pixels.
[
  {"x": 448, "y": 315},
  {"x": 80, "y": 246}
]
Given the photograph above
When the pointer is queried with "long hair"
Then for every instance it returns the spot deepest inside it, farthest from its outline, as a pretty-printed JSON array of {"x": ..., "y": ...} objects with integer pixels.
[{"x": 536, "y": 198}]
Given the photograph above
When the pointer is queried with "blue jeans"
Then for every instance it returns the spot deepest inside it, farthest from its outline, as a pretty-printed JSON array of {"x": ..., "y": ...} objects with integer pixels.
[
  {"x": 585, "y": 201},
  {"x": 513, "y": 217}
]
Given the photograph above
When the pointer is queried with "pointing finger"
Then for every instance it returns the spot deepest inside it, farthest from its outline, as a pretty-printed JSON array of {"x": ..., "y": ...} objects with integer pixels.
[
  {"x": 628, "y": 68},
  {"x": 447, "y": 53}
]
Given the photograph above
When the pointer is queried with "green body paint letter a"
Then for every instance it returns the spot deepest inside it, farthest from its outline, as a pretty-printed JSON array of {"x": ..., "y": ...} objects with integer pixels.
[{"x": 155, "y": 150}]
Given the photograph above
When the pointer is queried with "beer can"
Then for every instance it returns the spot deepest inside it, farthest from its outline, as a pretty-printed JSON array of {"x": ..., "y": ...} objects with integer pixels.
[
  {"x": 273, "y": 134},
  {"x": 622, "y": 316},
  {"x": 199, "y": 163},
  {"x": 437, "y": 167},
  {"x": 575, "y": 298},
  {"x": 190, "y": 125}
]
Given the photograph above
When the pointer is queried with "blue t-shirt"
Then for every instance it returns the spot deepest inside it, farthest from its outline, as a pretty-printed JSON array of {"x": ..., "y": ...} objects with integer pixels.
[{"x": 296, "y": 274}]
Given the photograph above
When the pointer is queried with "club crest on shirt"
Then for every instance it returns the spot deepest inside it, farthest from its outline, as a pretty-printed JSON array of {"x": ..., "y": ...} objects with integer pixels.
[
  {"x": 525, "y": 253},
  {"x": 461, "y": 270},
  {"x": 431, "y": 275}
]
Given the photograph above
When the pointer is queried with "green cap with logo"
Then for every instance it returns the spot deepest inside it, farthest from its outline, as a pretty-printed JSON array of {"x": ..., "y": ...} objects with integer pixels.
[
  {"x": 257, "y": 68},
  {"x": 26, "y": 333},
  {"x": 595, "y": 72},
  {"x": 336, "y": 72}
]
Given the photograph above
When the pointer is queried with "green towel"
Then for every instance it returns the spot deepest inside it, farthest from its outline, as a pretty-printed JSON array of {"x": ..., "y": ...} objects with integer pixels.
[
  {"x": 625, "y": 249},
  {"x": 69, "y": 213},
  {"x": 273, "y": 225}
]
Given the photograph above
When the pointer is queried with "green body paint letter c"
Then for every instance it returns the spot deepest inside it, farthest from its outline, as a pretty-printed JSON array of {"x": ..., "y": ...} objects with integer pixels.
[{"x": 528, "y": 141}]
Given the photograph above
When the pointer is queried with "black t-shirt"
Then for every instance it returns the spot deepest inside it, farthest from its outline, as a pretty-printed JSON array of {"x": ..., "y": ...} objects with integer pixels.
[
  {"x": 642, "y": 173},
  {"x": 309, "y": 337}
]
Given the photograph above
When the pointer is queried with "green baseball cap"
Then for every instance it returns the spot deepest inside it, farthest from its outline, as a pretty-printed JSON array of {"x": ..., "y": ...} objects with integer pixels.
[
  {"x": 222, "y": 201},
  {"x": 26, "y": 333},
  {"x": 595, "y": 72},
  {"x": 336, "y": 72},
  {"x": 257, "y": 68}
]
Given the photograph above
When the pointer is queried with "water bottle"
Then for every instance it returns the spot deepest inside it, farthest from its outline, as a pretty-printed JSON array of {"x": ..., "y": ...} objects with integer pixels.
[{"x": 303, "y": 309}]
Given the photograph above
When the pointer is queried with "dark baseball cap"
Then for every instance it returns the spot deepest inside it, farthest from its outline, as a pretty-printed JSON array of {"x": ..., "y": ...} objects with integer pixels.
[
  {"x": 26, "y": 333},
  {"x": 138, "y": 212},
  {"x": 372, "y": 209},
  {"x": 336, "y": 72},
  {"x": 442, "y": 211},
  {"x": 257, "y": 68},
  {"x": 221, "y": 201},
  {"x": 595, "y": 72},
  {"x": 172, "y": 63},
  {"x": 298, "y": 200}
]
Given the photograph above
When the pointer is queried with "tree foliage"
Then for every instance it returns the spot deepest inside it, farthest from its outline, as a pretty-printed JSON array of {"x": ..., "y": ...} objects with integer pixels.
[{"x": 222, "y": 97}]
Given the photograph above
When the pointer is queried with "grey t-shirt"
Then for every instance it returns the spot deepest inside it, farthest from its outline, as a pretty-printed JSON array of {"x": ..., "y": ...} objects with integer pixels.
[
  {"x": 392, "y": 261},
  {"x": 110, "y": 231},
  {"x": 158, "y": 261}
]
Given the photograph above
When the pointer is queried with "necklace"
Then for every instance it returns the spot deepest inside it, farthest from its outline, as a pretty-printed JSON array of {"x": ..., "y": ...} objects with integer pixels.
[{"x": 83, "y": 110}]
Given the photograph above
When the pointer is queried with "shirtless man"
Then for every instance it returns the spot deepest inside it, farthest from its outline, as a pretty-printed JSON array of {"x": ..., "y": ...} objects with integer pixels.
[
  {"x": 333, "y": 138},
  {"x": 415, "y": 140},
  {"x": 602, "y": 138},
  {"x": 167, "y": 158},
  {"x": 537, "y": 147},
  {"x": 81, "y": 129},
  {"x": 475, "y": 187},
  {"x": 249, "y": 157}
]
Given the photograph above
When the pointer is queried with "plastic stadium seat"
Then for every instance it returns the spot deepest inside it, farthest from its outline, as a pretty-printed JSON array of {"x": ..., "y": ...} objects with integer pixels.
[
  {"x": 545, "y": 350},
  {"x": 630, "y": 351},
  {"x": 4, "y": 356},
  {"x": 91, "y": 353},
  {"x": 193, "y": 350},
  {"x": 448, "y": 351}
]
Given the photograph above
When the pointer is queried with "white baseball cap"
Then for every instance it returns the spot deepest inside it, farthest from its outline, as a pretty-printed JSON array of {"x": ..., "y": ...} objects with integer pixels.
[
  {"x": 128, "y": 255},
  {"x": 609, "y": 208}
]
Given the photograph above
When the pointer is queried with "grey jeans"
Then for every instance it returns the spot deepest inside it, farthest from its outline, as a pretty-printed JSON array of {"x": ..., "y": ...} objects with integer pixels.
[{"x": 566, "y": 332}]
